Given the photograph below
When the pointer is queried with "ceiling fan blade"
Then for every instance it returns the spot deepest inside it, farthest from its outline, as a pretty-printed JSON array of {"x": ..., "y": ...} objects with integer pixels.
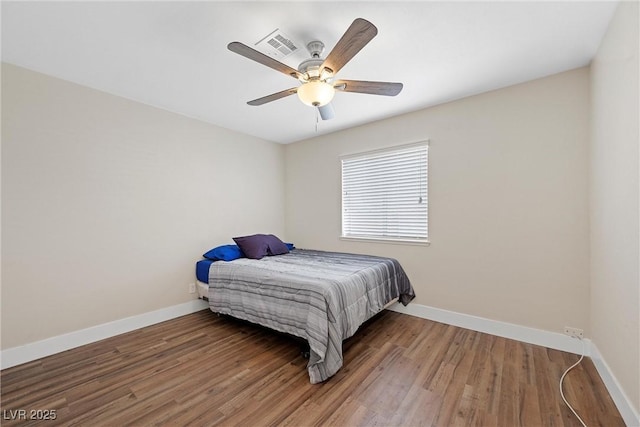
[
  {"x": 273, "y": 97},
  {"x": 327, "y": 112},
  {"x": 355, "y": 38},
  {"x": 373, "y": 88},
  {"x": 247, "y": 52}
]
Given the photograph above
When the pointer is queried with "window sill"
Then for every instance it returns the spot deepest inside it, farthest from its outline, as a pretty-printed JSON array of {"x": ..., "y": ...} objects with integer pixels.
[{"x": 410, "y": 242}]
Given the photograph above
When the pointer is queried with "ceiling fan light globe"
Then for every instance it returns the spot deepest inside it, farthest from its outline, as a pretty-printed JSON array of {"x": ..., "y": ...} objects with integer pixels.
[{"x": 316, "y": 93}]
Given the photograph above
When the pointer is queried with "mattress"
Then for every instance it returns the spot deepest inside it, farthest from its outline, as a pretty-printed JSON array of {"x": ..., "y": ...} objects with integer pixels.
[
  {"x": 202, "y": 270},
  {"x": 203, "y": 290}
]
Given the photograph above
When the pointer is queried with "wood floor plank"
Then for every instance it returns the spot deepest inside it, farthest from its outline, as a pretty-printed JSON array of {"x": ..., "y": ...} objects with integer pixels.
[{"x": 209, "y": 370}]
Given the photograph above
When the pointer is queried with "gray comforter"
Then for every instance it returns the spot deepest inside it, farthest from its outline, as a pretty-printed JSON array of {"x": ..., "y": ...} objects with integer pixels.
[{"x": 322, "y": 297}]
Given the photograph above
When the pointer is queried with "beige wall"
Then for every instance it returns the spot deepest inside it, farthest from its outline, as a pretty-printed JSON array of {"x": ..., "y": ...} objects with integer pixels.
[
  {"x": 614, "y": 189},
  {"x": 508, "y": 201},
  {"x": 107, "y": 203}
]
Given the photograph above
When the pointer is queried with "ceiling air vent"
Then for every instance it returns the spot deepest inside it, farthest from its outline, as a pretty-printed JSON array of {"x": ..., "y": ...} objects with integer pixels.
[{"x": 277, "y": 45}]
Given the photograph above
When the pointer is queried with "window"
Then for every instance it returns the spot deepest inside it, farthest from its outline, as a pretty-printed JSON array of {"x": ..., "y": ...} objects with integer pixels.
[{"x": 384, "y": 194}]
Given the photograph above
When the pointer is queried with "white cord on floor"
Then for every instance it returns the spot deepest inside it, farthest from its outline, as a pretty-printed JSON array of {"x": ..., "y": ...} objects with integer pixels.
[{"x": 562, "y": 379}]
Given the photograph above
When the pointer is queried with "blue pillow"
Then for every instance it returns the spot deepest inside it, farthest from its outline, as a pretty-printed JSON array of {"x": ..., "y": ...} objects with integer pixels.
[
  {"x": 224, "y": 253},
  {"x": 290, "y": 246}
]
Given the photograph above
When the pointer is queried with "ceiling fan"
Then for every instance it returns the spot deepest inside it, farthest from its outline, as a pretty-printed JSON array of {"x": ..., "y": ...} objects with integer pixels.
[{"x": 317, "y": 74}]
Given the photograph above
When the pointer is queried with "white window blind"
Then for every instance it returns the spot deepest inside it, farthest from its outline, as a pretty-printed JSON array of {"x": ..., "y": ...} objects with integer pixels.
[{"x": 384, "y": 194}]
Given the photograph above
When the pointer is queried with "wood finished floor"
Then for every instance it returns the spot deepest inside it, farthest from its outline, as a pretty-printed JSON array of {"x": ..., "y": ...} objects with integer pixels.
[{"x": 399, "y": 370}]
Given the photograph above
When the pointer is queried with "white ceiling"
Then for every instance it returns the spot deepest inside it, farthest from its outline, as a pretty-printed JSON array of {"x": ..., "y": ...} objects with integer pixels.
[{"x": 173, "y": 55}]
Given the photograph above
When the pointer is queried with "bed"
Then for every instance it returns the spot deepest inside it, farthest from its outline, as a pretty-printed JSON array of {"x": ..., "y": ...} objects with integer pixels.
[{"x": 321, "y": 297}]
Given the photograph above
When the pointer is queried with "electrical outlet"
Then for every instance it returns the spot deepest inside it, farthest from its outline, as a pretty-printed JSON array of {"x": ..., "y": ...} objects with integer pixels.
[
  {"x": 573, "y": 332},
  {"x": 192, "y": 288}
]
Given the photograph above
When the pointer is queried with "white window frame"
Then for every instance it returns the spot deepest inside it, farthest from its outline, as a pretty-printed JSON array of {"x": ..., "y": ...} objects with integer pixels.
[{"x": 386, "y": 235}]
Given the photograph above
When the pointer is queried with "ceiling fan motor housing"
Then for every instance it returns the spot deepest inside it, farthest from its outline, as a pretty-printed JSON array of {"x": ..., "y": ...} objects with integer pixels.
[{"x": 311, "y": 67}]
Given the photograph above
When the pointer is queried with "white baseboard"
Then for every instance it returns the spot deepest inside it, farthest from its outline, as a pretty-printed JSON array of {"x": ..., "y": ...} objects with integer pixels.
[
  {"x": 532, "y": 336},
  {"x": 623, "y": 403},
  {"x": 548, "y": 339},
  {"x": 26, "y": 353}
]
